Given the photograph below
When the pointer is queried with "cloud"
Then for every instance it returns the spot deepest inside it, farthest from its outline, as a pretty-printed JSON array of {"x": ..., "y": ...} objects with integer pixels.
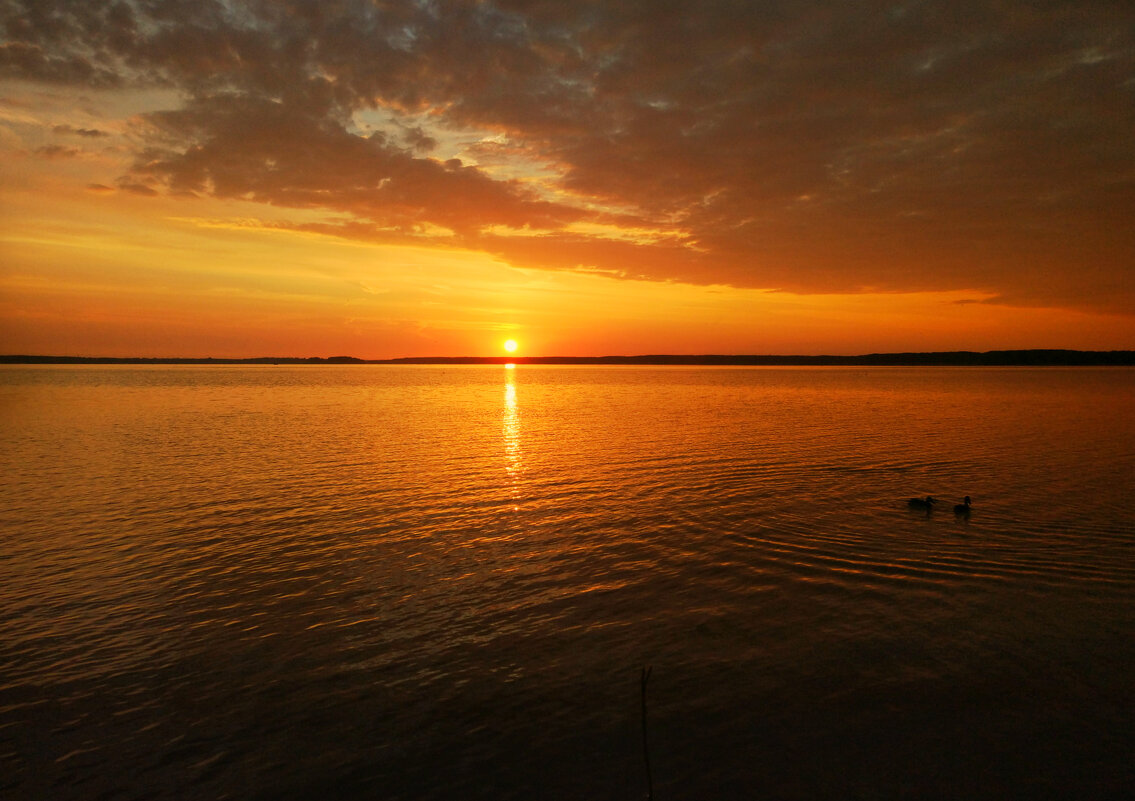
[
  {"x": 138, "y": 189},
  {"x": 58, "y": 152},
  {"x": 784, "y": 144},
  {"x": 233, "y": 146},
  {"x": 32, "y": 62},
  {"x": 70, "y": 130}
]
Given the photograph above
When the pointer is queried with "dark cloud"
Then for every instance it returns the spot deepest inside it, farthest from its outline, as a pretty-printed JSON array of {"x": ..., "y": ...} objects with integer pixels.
[
  {"x": 32, "y": 62},
  {"x": 234, "y": 146},
  {"x": 805, "y": 146},
  {"x": 69, "y": 130},
  {"x": 137, "y": 189},
  {"x": 56, "y": 152}
]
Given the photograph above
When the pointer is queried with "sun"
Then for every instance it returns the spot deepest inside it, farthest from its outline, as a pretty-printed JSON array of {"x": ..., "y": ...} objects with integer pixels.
[{"x": 510, "y": 345}]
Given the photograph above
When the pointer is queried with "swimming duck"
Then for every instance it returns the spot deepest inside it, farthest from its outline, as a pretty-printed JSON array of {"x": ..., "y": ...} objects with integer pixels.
[
  {"x": 926, "y": 503},
  {"x": 962, "y": 508}
]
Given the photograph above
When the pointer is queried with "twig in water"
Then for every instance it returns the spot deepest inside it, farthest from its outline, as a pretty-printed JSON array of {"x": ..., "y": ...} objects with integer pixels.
[{"x": 645, "y": 749}]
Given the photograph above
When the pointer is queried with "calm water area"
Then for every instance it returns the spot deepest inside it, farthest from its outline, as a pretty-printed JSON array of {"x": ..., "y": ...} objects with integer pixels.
[{"x": 423, "y": 582}]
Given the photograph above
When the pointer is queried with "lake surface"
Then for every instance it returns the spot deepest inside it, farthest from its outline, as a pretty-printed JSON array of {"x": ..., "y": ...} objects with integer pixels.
[{"x": 384, "y": 582}]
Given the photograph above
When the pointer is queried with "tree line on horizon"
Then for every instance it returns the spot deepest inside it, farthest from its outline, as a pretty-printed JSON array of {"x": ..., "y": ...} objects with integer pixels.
[{"x": 993, "y": 358}]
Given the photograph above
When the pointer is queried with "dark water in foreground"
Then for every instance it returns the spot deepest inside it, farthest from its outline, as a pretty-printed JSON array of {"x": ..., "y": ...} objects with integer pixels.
[{"x": 442, "y": 582}]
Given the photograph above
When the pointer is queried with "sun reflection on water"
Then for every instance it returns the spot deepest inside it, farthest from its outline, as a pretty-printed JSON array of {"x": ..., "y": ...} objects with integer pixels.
[{"x": 513, "y": 458}]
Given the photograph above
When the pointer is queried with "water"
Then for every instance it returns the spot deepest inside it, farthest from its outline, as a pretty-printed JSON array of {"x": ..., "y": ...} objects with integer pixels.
[{"x": 443, "y": 582}]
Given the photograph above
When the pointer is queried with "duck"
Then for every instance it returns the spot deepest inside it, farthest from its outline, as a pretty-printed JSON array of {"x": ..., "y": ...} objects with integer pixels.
[
  {"x": 926, "y": 503},
  {"x": 963, "y": 507}
]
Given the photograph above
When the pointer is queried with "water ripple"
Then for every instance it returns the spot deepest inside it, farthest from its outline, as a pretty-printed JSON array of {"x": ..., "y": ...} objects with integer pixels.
[{"x": 390, "y": 582}]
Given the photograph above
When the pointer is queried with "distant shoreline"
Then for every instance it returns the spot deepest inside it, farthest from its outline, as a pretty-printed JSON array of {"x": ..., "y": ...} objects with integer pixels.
[{"x": 993, "y": 358}]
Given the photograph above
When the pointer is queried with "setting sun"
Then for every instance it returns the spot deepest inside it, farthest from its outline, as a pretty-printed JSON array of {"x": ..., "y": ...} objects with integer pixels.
[{"x": 510, "y": 345}]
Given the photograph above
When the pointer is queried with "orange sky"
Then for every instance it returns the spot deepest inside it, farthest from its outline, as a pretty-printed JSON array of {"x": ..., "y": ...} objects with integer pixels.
[{"x": 246, "y": 179}]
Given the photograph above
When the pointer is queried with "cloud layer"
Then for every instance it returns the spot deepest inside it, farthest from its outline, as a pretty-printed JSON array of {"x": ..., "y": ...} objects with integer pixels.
[{"x": 803, "y": 146}]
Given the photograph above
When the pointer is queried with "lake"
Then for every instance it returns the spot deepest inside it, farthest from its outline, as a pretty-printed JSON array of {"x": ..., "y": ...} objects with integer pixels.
[{"x": 424, "y": 582}]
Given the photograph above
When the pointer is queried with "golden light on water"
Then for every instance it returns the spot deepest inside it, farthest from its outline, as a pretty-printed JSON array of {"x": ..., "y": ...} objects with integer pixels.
[{"x": 512, "y": 454}]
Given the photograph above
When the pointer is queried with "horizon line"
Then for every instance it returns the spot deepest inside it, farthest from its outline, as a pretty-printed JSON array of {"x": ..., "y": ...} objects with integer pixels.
[{"x": 1009, "y": 357}]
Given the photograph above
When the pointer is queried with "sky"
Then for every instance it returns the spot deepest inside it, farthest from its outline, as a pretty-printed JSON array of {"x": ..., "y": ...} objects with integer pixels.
[{"x": 416, "y": 178}]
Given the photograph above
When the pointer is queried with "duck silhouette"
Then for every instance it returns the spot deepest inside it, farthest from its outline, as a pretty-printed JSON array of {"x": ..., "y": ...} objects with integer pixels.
[
  {"x": 963, "y": 507},
  {"x": 925, "y": 504}
]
